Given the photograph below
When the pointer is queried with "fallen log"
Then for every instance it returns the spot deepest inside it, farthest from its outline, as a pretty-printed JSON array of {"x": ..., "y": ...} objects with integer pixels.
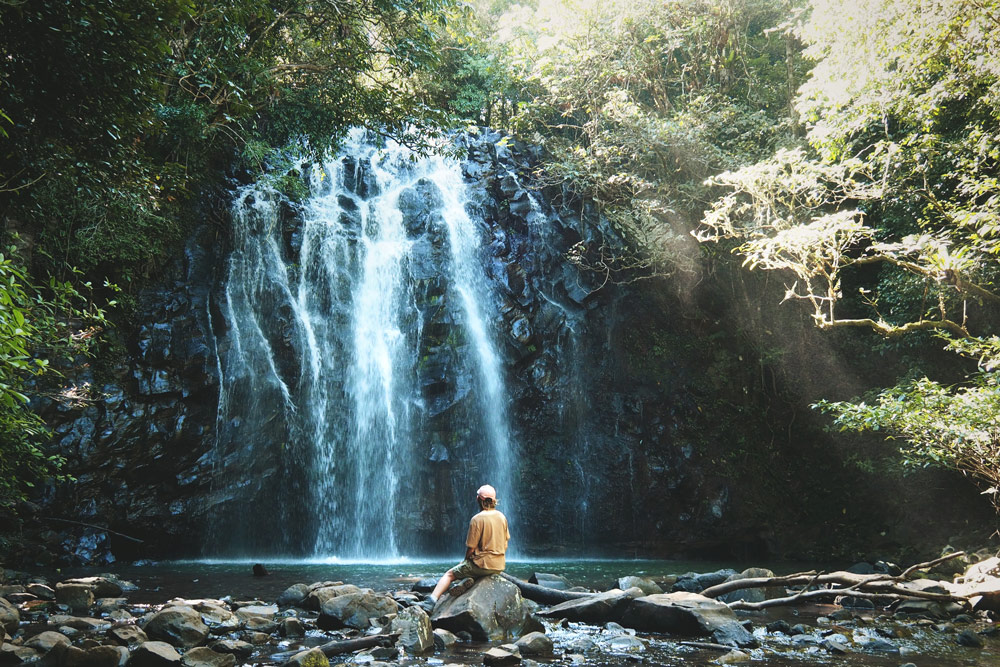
[
  {"x": 544, "y": 595},
  {"x": 870, "y": 586},
  {"x": 333, "y": 648}
]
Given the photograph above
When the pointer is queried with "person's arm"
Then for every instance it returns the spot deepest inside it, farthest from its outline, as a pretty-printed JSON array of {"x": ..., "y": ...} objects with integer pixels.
[{"x": 468, "y": 553}]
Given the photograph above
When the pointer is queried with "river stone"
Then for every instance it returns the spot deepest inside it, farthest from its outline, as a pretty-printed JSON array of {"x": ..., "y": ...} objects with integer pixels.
[
  {"x": 686, "y": 614},
  {"x": 10, "y": 617},
  {"x": 261, "y": 624},
  {"x": 732, "y": 658},
  {"x": 553, "y": 581},
  {"x": 155, "y": 654},
  {"x": 354, "y": 610},
  {"x": 240, "y": 649},
  {"x": 179, "y": 625},
  {"x": 257, "y": 611},
  {"x": 41, "y": 591},
  {"x": 597, "y": 609},
  {"x": 11, "y": 654},
  {"x": 497, "y": 657},
  {"x": 626, "y": 644},
  {"x": 78, "y": 597},
  {"x": 443, "y": 639},
  {"x": 647, "y": 586},
  {"x": 127, "y": 635},
  {"x": 77, "y": 623},
  {"x": 752, "y": 594},
  {"x": 293, "y": 596},
  {"x": 318, "y": 596},
  {"x": 693, "y": 582},
  {"x": 311, "y": 658},
  {"x": 102, "y": 587},
  {"x": 492, "y": 609},
  {"x": 291, "y": 627},
  {"x": 45, "y": 641},
  {"x": 535, "y": 643},
  {"x": 201, "y": 656},
  {"x": 414, "y": 626}
]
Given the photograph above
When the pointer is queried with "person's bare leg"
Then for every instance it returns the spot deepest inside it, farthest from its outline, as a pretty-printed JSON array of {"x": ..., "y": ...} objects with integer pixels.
[{"x": 443, "y": 584}]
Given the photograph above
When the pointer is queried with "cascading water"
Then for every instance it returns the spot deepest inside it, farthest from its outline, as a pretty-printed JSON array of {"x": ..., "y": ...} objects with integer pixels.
[{"x": 362, "y": 397}]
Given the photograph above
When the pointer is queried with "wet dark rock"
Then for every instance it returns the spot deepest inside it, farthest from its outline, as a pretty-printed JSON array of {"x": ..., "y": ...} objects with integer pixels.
[
  {"x": 781, "y": 625},
  {"x": 291, "y": 627},
  {"x": 10, "y": 617},
  {"x": 318, "y": 596},
  {"x": 293, "y": 596},
  {"x": 969, "y": 637},
  {"x": 443, "y": 639},
  {"x": 497, "y": 657},
  {"x": 240, "y": 649},
  {"x": 879, "y": 645},
  {"x": 45, "y": 641},
  {"x": 687, "y": 614},
  {"x": 180, "y": 626},
  {"x": 752, "y": 594},
  {"x": 78, "y": 597},
  {"x": 155, "y": 654},
  {"x": 127, "y": 635},
  {"x": 11, "y": 654},
  {"x": 535, "y": 643},
  {"x": 490, "y": 610},
  {"x": 41, "y": 591},
  {"x": 260, "y": 571},
  {"x": 836, "y": 646},
  {"x": 596, "y": 609},
  {"x": 355, "y": 610},
  {"x": 696, "y": 583},
  {"x": 799, "y": 629}
]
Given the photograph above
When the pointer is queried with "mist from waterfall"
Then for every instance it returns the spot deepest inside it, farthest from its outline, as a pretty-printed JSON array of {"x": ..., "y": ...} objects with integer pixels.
[{"x": 359, "y": 363}]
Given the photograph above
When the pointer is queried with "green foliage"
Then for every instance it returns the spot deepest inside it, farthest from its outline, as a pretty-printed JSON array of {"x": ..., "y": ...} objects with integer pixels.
[
  {"x": 33, "y": 335},
  {"x": 639, "y": 102},
  {"x": 899, "y": 176}
]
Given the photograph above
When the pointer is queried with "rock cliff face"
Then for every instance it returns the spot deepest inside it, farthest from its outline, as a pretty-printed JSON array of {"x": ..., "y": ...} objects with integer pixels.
[{"x": 618, "y": 403}]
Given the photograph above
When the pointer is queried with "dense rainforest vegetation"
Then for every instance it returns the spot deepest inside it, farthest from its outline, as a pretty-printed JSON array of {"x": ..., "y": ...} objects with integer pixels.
[{"x": 853, "y": 154}]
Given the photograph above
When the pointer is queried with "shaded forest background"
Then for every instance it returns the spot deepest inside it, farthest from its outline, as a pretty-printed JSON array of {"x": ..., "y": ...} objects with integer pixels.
[{"x": 823, "y": 183}]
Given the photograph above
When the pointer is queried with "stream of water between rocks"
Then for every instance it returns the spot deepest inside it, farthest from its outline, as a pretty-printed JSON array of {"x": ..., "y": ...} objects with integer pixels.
[{"x": 874, "y": 639}]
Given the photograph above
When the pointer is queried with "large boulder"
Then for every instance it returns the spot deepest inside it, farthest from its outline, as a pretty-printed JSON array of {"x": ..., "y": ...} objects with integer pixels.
[
  {"x": 355, "y": 610},
  {"x": 687, "y": 614},
  {"x": 95, "y": 656},
  {"x": 216, "y": 615},
  {"x": 127, "y": 635},
  {"x": 535, "y": 643},
  {"x": 178, "y": 625},
  {"x": 598, "y": 609},
  {"x": 492, "y": 609},
  {"x": 415, "y": 632},
  {"x": 10, "y": 617}
]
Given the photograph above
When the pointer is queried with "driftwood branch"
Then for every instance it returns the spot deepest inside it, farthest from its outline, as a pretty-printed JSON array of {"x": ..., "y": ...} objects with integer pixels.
[
  {"x": 542, "y": 594},
  {"x": 870, "y": 586},
  {"x": 342, "y": 646}
]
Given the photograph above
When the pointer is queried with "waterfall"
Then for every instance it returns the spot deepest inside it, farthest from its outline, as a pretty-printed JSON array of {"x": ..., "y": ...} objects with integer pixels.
[{"x": 362, "y": 395}]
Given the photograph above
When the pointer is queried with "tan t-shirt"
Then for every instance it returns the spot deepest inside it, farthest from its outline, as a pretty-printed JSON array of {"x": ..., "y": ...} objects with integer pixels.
[{"x": 488, "y": 536}]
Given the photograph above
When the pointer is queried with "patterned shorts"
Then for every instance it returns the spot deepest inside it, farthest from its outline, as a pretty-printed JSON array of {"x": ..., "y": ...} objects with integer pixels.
[{"x": 469, "y": 569}]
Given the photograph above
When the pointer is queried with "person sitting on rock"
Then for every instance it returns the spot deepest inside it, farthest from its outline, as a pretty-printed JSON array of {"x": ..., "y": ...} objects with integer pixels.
[{"x": 485, "y": 548}]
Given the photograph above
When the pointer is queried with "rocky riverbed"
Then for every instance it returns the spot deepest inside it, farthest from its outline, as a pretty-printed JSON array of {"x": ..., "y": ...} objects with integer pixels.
[{"x": 93, "y": 622}]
